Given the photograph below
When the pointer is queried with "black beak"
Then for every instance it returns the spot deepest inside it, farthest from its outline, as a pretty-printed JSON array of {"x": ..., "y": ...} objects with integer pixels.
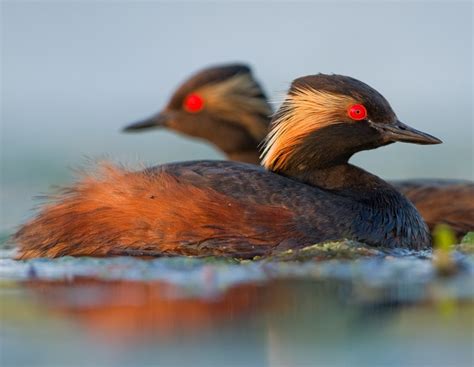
[
  {"x": 159, "y": 120},
  {"x": 404, "y": 133}
]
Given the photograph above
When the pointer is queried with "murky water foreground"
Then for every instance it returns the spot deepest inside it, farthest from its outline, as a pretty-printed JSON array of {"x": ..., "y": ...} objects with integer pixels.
[{"x": 337, "y": 305}]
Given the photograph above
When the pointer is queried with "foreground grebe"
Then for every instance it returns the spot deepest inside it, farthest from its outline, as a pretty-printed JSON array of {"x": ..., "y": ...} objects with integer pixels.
[
  {"x": 226, "y": 106},
  {"x": 306, "y": 193}
]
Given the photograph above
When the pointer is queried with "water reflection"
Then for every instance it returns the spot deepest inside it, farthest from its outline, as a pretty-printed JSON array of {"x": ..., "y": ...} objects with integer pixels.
[
  {"x": 120, "y": 310},
  {"x": 285, "y": 322}
]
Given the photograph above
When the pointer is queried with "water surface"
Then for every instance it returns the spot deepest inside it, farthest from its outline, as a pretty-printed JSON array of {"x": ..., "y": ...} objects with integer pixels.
[{"x": 380, "y": 309}]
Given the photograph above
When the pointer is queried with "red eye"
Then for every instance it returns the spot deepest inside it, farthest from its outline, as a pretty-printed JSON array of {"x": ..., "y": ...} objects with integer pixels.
[
  {"x": 193, "y": 103},
  {"x": 357, "y": 112}
]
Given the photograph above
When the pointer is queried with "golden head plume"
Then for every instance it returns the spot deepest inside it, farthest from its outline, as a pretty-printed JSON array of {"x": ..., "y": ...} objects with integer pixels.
[
  {"x": 304, "y": 111},
  {"x": 239, "y": 99}
]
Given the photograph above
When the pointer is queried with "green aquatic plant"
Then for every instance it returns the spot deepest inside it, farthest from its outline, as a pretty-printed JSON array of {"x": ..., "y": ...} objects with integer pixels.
[
  {"x": 443, "y": 237},
  {"x": 467, "y": 244},
  {"x": 443, "y": 240},
  {"x": 468, "y": 238}
]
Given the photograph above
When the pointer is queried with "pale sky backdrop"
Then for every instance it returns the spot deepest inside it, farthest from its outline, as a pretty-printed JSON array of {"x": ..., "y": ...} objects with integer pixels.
[{"x": 75, "y": 72}]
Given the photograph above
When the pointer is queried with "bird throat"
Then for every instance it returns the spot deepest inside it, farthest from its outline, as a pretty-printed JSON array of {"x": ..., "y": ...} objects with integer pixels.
[{"x": 344, "y": 179}]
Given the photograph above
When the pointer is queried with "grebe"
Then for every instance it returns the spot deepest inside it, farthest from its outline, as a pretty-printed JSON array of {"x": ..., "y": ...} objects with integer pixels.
[
  {"x": 306, "y": 193},
  {"x": 227, "y": 107},
  {"x": 224, "y": 105}
]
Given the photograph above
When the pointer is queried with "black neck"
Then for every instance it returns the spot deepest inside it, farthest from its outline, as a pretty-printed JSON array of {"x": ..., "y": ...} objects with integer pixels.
[
  {"x": 247, "y": 156},
  {"x": 232, "y": 139},
  {"x": 343, "y": 178},
  {"x": 381, "y": 211}
]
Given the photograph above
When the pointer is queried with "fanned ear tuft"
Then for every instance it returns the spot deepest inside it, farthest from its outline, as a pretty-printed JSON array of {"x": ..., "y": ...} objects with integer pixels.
[
  {"x": 241, "y": 100},
  {"x": 304, "y": 111}
]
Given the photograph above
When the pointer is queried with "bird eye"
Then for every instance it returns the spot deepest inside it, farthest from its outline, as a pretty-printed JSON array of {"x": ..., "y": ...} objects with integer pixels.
[
  {"x": 357, "y": 112},
  {"x": 193, "y": 103}
]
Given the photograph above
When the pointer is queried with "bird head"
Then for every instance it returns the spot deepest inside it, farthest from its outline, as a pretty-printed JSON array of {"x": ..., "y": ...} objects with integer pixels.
[
  {"x": 325, "y": 119},
  {"x": 224, "y": 105}
]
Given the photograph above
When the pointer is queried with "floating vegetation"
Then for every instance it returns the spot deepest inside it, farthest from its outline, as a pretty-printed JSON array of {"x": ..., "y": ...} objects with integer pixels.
[{"x": 345, "y": 249}]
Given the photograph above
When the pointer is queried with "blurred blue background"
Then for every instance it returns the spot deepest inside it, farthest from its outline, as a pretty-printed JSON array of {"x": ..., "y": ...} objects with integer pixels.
[{"x": 74, "y": 73}]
